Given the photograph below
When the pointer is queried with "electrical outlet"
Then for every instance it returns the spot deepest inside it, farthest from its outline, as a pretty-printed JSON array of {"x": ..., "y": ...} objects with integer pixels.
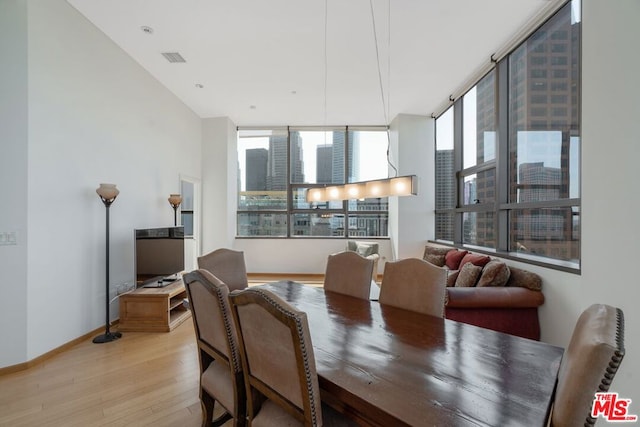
[{"x": 8, "y": 238}]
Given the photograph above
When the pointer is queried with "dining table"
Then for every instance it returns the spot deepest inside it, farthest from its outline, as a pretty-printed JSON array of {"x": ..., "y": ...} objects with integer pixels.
[{"x": 386, "y": 366}]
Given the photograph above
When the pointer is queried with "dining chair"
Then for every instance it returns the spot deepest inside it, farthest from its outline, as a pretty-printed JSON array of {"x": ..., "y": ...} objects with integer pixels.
[
  {"x": 349, "y": 273},
  {"x": 589, "y": 364},
  {"x": 414, "y": 284},
  {"x": 227, "y": 265},
  {"x": 278, "y": 363},
  {"x": 220, "y": 367}
]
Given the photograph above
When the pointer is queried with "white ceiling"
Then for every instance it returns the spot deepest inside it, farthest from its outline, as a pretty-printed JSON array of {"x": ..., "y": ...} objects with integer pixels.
[{"x": 263, "y": 62}]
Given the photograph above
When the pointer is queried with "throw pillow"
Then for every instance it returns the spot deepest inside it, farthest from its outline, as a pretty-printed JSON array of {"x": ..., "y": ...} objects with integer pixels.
[
  {"x": 437, "y": 260},
  {"x": 364, "y": 249},
  {"x": 525, "y": 279},
  {"x": 495, "y": 273},
  {"x": 452, "y": 276},
  {"x": 436, "y": 250},
  {"x": 475, "y": 259},
  {"x": 453, "y": 257},
  {"x": 468, "y": 275}
]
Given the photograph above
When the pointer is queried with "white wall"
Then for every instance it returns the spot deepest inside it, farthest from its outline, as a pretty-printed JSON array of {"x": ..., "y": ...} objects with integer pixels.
[
  {"x": 94, "y": 115},
  {"x": 13, "y": 179},
  {"x": 219, "y": 183},
  {"x": 412, "y": 153}
]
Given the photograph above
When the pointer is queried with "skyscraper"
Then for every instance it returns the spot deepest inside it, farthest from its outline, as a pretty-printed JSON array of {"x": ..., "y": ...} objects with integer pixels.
[{"x": 256, "y": 169}]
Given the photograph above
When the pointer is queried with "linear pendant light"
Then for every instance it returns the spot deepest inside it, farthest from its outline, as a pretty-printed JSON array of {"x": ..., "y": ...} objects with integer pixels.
[{"x": 396, "y": 186}]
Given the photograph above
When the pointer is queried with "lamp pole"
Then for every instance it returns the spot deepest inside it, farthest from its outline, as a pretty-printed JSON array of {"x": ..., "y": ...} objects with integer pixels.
[
  {"x": 107, "y": 193},
  {"x": 174, "y": 201}
]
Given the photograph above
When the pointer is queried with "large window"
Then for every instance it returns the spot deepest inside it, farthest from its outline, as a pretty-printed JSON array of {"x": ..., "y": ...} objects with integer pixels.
[
  {"x": 507, "y": 152},
  {"x": 278, "y": 166}
]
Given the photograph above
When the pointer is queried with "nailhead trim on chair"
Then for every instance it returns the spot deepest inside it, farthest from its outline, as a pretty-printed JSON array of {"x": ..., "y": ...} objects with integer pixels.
[
  {"x": 305, "y": 355},
  {"x": 614, "y": 363},
  {"x": 235, "y": 361}
]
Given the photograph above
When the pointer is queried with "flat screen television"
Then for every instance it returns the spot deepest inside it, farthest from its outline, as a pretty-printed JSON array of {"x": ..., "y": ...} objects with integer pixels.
[{"x": 159, "y": 255}]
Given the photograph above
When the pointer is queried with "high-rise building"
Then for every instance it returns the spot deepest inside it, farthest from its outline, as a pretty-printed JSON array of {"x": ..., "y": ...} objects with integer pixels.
[
  {"x": 324, "y": 164},
  {"x": 256, "y": 169}
]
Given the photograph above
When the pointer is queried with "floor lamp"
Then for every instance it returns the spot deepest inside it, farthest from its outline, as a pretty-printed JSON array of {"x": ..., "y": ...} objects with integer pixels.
[
  {"x": 174, "y": 201},
  {"x": 107, "y": 193}
]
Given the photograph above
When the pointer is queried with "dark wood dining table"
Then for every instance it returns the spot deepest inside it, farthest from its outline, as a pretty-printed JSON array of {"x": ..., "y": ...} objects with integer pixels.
[{"x": 386, "y": 366}]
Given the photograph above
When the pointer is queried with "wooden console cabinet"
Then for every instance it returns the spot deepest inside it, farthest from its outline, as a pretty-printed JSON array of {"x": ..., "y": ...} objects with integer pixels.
[{"x": 153, "y": 309}]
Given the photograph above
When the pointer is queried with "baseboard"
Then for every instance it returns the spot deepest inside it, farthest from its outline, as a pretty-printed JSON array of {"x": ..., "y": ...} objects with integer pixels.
[
  {"x": 48, "y": 355},
  {"x": 258, "y": 278},
  {"x": 296, "y": 277}
]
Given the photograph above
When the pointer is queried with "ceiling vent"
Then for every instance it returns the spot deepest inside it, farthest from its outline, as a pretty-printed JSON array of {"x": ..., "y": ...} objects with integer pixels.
[{"x": 173, "y": 57}]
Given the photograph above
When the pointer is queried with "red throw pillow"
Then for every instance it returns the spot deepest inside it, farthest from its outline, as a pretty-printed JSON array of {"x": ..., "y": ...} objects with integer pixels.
[
  {"x": 475, "y": 259},
  {"x": 453, "y": 257}
]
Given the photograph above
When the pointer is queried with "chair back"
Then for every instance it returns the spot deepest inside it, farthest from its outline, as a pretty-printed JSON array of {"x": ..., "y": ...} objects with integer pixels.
[
  {"x": 589, "y": 364},
  {"x": 227, "y": 265},
  {"x": 218, "y": 351},
  {"x": 414, "y": 284},
  {"x": 349, "y": 273},
  {"x": 277, "y": 357}
]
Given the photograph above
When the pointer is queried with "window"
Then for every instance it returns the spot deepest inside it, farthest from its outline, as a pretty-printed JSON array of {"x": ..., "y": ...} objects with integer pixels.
[
  {"x": 278, "y": 166},
  {"x": 510, "y": 181}
]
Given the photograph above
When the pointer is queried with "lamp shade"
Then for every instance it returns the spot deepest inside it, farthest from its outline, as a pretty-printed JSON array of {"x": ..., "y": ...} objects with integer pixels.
[
  {"x": 397, "y": 186},
  {"x": 175, "y": 199},
  {"x": 107, "y": 191}
]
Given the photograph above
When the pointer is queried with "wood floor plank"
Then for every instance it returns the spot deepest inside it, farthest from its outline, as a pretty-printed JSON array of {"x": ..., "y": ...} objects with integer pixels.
[{"x": 141, "y": 379}]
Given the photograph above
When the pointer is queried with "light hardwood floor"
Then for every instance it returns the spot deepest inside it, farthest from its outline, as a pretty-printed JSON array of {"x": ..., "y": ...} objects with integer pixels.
[{"x": 140, "y": 379}]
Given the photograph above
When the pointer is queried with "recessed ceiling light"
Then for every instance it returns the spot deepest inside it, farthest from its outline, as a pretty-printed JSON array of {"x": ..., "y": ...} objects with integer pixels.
[
  {"x": 252, "y": 107},
  {"x": 199, "y": 86},
  {"x": 293, "y": 92},
  {"x": 146, "y": 29}
]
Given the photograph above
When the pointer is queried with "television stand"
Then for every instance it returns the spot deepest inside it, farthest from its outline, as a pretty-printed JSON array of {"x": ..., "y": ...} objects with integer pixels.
[{"x": 154, "y": 309}]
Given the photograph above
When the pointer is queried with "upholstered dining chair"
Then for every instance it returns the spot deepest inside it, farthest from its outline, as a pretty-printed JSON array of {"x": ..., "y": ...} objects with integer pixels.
[
  {"x": 220, "y": 367},
  {"x": 349, "y": 273},
  {"x": 415, "y": 285},
  {"x": 278, "y": 363},
  {"x": 227, "y": 265},
  {"x": 589, "y": 364}
]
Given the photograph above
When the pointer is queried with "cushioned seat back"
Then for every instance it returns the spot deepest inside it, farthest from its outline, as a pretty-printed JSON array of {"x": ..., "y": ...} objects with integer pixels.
[
  {"x": 218, "y": 351},
  {"x": 227, "y": 265},
  {"x": 208, "y": 299},
  {"x": 362, "y": 248},
  {"x": 589, "y": 364},
  {"x": 415, "y": 285},
  {"x": 349, "y": 273},
  {"x": 277, "y": 356}
]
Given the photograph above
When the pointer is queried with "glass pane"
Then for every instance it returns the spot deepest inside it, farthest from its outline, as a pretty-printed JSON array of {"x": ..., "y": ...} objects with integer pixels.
[
  {"x": 445, "y": 190},
  {"x": 367, "y": 155},
  {"x": 478, "y": 228},
  {"x": 544, "y": 120},
  {"x": 479, "y": 122},
  {"x": 300, "y": 201},
  {"x": 444, "y": 226},
  {"x": 364, "y": 225},
  {"x": 262, "y": 224},
  {"x": 551, "y": 232},
  {"x": 317, "y": 157},
  {"x": 262, "y": 200},
  {"x": 322, "y": 224},
  {"x": 479, "y": 187},
  {"x": 379, "y": 204},
  {"x": 262, "y": 170}
]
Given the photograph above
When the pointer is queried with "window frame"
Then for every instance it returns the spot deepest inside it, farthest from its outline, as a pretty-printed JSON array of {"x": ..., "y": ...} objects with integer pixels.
[
  {"x": 292, "y": 188},
  {"x": 503, "y": 207}
]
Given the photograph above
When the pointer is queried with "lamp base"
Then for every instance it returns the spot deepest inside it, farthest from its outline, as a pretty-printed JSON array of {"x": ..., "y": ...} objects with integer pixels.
[{"x": 108, "y": 337}]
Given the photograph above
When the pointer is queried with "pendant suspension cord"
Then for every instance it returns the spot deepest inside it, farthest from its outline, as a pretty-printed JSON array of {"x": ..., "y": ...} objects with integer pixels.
[
  {"x": 325, "y": 68},
  {"x": 384, "y": 103}
]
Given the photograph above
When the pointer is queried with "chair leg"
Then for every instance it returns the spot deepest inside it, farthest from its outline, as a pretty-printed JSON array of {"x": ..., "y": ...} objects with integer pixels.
[{"x": 207, "y": 402}]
